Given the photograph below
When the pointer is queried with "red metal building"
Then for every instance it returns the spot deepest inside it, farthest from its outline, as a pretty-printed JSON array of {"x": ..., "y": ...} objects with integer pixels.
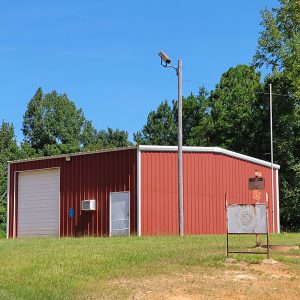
[{"x": 132, "y": 191}]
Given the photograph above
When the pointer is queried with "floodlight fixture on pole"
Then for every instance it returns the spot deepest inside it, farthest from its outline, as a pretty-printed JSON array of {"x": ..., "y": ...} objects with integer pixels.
[
  {"x": 164, "y": 58},
  {"x": 166, "y": 62}
]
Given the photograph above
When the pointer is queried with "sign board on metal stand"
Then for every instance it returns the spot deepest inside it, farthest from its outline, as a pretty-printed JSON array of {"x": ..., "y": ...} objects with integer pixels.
[{"x": 247, "y": 219}]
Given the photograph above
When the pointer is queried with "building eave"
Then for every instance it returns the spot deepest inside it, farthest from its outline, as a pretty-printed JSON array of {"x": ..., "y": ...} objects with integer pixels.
[
  {"x": 72, "y": 154},
  {"x": 217, "y": 150}
]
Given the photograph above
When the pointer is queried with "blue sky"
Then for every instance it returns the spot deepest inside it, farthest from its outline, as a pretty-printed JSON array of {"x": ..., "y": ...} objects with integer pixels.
[{"x": 103, "y": 53}]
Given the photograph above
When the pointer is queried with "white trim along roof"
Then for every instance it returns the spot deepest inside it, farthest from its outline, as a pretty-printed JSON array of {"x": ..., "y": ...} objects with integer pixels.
[
  {"x": 210, "y": 150},
  {"x": 150, "y": 148}
]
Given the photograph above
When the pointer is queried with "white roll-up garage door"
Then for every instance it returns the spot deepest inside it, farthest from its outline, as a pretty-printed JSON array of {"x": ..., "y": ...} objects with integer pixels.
[{"x": 38, "y": 203}]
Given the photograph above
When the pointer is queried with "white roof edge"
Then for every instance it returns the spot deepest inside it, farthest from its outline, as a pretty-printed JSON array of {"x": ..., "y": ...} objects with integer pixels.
[
  {"x": 71, "y": 154},
  {"x": 211, "y": 150},
  {"x": 164, "y": 149}
]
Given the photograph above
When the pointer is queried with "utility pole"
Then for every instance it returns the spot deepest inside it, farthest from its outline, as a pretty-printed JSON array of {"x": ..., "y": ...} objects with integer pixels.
[
  {"x": 180, "y": 179},
  {"x": 165, "y": 61},
  {"x": 272, "y": 158}
]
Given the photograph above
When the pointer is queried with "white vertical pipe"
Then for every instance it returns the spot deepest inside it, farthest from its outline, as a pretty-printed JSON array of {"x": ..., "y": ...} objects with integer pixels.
[
  {"x": 139, "y": 219},
  {"x": 15, "y": 210},
  {"x": 272, "y": 162},
  {"x": 277, "y": 201}
]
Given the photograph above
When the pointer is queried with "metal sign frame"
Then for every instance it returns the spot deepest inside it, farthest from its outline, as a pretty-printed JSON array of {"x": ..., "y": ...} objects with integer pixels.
[{"x": 227, "y": 233}]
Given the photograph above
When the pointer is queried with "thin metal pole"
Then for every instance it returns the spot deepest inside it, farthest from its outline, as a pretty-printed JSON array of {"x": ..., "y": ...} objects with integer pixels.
[
  {"x": 267, "y": 220},
  {"x": 227, "y": 242},
  {"x": 268, "y": 252},
  {"x": 256, "y": 235},
  {"x": 180, "y": 178},
  {"x": 272, "y": 158}
]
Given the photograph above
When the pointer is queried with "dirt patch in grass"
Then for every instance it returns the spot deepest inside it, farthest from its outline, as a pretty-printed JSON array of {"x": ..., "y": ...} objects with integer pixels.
[{"x": 235, "y": 280}]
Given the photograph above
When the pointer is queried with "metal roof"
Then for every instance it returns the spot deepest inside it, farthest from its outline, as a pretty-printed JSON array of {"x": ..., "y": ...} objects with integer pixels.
[
  {"x": 211, "y": 150},
  {"x": 72, "y": 154},
  {"x": 155, "y": 148}
]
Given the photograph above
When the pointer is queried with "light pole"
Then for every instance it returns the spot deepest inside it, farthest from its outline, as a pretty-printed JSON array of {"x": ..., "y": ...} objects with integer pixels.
[{"x": 166, "y": 62}]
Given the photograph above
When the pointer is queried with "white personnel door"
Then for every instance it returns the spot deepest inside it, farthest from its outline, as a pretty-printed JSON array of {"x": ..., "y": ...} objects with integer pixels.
[
  {"x": 119, "y": 214},
  {"x": 38, "y": 203}
]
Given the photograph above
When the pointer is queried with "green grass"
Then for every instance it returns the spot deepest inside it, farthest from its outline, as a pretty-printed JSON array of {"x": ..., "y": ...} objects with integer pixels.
[
  {"x": 84, "y": 267},
  {"x": 2, "y": 234}
]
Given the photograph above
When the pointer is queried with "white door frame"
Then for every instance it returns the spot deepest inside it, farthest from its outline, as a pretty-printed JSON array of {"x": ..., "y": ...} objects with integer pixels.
[
  {"x": 16, "y": 185},
  {"x": 128, "y": 192}
]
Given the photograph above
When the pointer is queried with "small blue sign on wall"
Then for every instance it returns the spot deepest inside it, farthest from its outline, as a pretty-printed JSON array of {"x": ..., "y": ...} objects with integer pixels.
[{"x": 71, "y": 212}]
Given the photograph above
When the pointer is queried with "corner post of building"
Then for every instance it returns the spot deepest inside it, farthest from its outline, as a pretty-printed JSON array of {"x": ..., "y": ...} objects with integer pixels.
[
  {"x": 7, "y": 201},
  {"x": 139, "y": 224}
]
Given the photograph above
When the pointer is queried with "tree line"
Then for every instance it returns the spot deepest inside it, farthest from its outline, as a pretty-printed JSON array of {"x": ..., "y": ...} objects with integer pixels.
[{"x": 234, "y": 115}]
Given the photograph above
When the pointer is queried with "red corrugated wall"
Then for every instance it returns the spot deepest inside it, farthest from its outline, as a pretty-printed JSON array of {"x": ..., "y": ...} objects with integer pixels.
[
  {"x": 207, "y": 177},
  {"x": 89, "y": 176}
]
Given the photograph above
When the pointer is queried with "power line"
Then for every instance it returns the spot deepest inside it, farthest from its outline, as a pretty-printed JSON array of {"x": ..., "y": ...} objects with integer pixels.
[
  {"x": 273, "y": 94},
  {"x": 199, "y": 82},
  {"x": 210, "y": 84},
  {"x": 194, "y": 81}
]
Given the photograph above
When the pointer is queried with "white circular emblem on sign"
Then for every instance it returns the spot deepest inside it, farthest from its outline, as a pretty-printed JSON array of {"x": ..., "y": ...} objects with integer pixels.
[{"x": 244, "y": 218}]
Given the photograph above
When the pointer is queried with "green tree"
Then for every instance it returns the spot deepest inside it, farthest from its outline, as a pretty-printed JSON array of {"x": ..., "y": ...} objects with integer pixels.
[
  {"x": 234, "y": 110},
  {"x": 196, "y": 119},
  {"x": 109, "y": 138},
  {"x": 53, "y": 125},
  {"x": 89, "y": 135},
  {"x": 52, "y": 120},
  {"x": 114, "y": 138},
  {"x": 8, "y": 151},
  {"x": 279, "y": 42},
  {"x": 26, "y": 151},
  {"x": 194, "y": 115},
  {"x": 161, "y": 126},
  {"x": 34, "y": 127}
]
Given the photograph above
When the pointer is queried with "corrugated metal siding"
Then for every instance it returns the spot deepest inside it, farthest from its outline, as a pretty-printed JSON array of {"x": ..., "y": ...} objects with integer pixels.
[
  {"x": 207, "y": 178},
  {"x": 91, "y": 176},
  {"x": 159, "y": 211}
]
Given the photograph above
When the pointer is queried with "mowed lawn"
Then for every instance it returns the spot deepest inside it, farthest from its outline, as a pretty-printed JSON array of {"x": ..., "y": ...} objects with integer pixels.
[{"x": 148, "y": 267}]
